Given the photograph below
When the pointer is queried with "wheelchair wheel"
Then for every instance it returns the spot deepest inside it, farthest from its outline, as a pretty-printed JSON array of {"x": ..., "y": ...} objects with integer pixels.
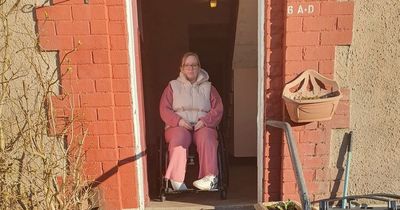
[{"x": 223, "y": 194}]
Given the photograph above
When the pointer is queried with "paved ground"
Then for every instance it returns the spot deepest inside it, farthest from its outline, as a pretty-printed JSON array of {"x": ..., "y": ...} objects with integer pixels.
[{"x": 242, "y": 193}]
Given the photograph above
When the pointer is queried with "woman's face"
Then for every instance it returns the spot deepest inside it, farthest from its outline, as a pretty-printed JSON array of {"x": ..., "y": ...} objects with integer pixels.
[{"x": 190, "y": 68}]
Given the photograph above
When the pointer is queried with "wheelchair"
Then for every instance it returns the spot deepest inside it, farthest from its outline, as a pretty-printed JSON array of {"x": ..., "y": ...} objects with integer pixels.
[{"x": 192, "y": 165}]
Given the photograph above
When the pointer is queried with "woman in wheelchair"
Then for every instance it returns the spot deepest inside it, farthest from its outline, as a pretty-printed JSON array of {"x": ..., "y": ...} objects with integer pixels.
[{"x": 191, "y": 109}]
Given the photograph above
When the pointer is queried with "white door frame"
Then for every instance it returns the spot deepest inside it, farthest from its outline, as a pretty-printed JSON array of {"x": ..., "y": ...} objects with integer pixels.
[
  {"x": 260, "y": 103},
  {"x": 136, "y": 114},
  {"x": 135, "y": 101}
]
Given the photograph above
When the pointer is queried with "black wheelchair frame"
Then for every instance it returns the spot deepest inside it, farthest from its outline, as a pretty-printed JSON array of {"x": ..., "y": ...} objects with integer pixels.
[{"x": 223, "y": 177}]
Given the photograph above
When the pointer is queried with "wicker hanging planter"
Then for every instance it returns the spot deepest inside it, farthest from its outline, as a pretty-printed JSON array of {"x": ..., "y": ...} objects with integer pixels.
[{"x": 311, "y": 97}]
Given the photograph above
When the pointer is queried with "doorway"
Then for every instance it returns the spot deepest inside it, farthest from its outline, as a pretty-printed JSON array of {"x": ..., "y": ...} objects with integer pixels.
[{"x": 169, "y": 29}]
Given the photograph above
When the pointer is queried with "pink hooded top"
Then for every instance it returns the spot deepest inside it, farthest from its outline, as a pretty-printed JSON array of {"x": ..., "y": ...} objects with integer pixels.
[{"x": 171, "y": 119}]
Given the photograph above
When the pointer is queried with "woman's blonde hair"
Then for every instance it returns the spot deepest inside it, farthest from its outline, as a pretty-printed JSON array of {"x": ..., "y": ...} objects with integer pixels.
[{"x": 186, "y": 55}]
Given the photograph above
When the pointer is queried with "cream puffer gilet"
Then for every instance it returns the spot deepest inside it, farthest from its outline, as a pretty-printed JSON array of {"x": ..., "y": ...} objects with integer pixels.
[{"x": 191, "y": 100}]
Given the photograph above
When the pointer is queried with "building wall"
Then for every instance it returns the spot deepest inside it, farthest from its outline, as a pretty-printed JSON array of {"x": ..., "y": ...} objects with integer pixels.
[
  {"x": 307, "y": 39},
  {"x": 369, "y": 67},
  {"x": 97, "y": 83},
  {"x": 244, "y": 74}
]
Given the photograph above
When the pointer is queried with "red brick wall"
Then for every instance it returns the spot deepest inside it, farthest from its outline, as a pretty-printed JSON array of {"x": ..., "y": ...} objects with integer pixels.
[
  {"x": 98, "y": 81},
  {"x": 310, "y": 31},
  {"x": 274, "y": 59}
]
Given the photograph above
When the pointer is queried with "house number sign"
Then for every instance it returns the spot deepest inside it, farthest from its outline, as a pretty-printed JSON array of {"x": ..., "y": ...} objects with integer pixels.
[{"x": 300, "y": 9}]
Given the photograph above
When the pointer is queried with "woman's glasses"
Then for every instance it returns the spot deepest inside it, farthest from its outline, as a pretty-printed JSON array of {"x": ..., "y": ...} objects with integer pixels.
[{"x": 188, "y": 66}]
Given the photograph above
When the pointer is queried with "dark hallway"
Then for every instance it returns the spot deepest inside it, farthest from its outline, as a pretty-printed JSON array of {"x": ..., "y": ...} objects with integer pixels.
[{"x": 169, "y": 29}]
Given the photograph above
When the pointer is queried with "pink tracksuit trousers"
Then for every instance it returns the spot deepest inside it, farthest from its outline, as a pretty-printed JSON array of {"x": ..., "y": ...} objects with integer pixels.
[{"x": 179, "y": 138}]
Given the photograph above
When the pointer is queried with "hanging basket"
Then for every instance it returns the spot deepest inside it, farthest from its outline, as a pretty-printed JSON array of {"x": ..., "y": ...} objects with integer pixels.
[{"x": 311, "y": 97}]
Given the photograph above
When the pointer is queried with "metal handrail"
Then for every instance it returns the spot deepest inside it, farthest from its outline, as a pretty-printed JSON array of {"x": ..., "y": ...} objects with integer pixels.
[{"x": 305, "y": 202}]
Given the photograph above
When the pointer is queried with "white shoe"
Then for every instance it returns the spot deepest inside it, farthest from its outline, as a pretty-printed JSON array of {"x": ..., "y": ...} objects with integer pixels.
[
  {"x": 178, "y": 185},
  {"x": 206, "y": 183}
]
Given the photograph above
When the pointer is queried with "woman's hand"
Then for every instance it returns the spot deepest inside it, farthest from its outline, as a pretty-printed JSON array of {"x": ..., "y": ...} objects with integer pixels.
[
  {"x": 184, "y": 124},
  {"x": 199, "y": 124}
]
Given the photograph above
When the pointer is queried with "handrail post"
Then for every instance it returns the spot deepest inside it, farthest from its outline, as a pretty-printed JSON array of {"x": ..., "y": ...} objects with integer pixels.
[{"x": 305, "y": 202}]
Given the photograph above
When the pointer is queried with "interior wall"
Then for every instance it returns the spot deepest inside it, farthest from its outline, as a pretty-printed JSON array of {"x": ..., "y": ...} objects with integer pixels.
[
  {"x": 245, "y": 81},
  {"x": 369, "y": 67},
  {"x": 169, "y": 29}
]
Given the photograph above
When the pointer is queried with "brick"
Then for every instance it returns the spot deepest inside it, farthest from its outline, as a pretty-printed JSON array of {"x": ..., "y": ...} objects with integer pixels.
[
  {"x": 97, "y": 2},
  {"x": 287, "y": 163},
  {"x": 76, "y": 57},
  {"x": 319, "y": 53},
  {"x": 120, "y": 71},
  {"x": 108, "y": 166},
  {"x": 296, "y": 67},
  {"x": 56, "y": 42},
  {"x": 322, "y": 149},
  {"x": 274, "y": 69},
  {"x": 274, "y": 28},
  {"x": 115, "y": 2},
  {"x": 92, "y": 168},
  {"x": 326, "y": 67},
  {"x": 294, "y": 24},
  {"x": 274, "y": 13},
  {"x": 96, "y": 100},
  {"x": 274, "y": 55},
  {"x": 306, "y": 149},
  {"x": 94, "y": 71},
  {"x": 336, "y": 38},
  {"x": 315, "y": 162},
  {"x": 72, "y": 27},
  {"x": 119, "y": 56},
  {"x": 345, "y": 93},
  {"x": 86, "y": 114},
  {"x": 343, "y": 108},
  {"x": 125, "y": 140},
  {"x": 107, "y": 141},
  {"x": 289, "y": 187},
  {"x": 66, "y": 2},
  {"x": 116, "y": 13},
  {"x": 125, "y": 153},
  {"x": 121, "y": 85},
  {"x": 78, "y": 86},
  {"x": 103, "y": 85},
  {"x": 106, "y": 113},
  {"x": 46, "y": 28},
  {"x": 123, "y": 113},
  {"x": 92, "y": 12},
  {"x": 68, "y": 72},
  {"x": 319, "y": 23},
  {"x": 124, "y": 127},
  {"x": 93, "y": 42},
  {"x": 101, "y": 155},
  {"x": 340, "y": 121},
  {"x": 337, "y": 8},
  {"x": 294, "y": 53},
  {"x": 122, "y": 99},
  {"x": 311, "y": 136},
  {"x": 117, "y": 28},
  {"x": 118, "y": 42},
  {"x": 302, "y": 38},
  {"x": 101, "y": 56},
  {"x": 302, "y": 9},
  {"x": 99, "y": 27},
  {"x": 290, "y": 196},
  {"x": 62, "y": 12},
  {"x": 275, "y": 40},
  {"x": 101, "y": 128},
  {"x": 345, "y": 22}
]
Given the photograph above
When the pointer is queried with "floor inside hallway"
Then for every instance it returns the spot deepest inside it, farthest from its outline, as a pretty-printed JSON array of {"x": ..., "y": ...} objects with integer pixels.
[{"x": 242, "y": 191}]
